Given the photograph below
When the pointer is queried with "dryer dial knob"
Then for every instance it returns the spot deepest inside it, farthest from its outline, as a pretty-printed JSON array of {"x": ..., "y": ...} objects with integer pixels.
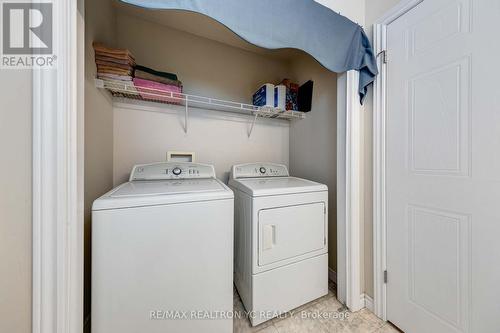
[{"x": 176, "y": 171}]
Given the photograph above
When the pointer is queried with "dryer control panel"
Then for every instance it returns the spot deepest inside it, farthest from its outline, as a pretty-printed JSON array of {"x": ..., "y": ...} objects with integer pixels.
[
  {"x": 256, "y": 170},
  {"x": 172, "y": 170}
]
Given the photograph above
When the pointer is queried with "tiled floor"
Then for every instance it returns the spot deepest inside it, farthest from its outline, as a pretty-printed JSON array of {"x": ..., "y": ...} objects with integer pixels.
[{"x": 320, "y": 316}]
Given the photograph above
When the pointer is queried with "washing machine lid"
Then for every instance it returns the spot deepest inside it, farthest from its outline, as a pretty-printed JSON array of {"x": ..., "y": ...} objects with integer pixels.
[
  {"x": 158, "y": 192},
  {"x": 265, "y": 186}
]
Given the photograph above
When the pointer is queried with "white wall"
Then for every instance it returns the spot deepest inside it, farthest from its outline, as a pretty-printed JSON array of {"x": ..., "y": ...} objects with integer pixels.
[
  {"x": 313, "y": 141},
  {"x": 207, "y": 68},
  {"x": 352, "y": 9},
  {"x": 15, "y": 200},
  {"x": 216, "y": 138},
  {"x": 98, "y": 160}
]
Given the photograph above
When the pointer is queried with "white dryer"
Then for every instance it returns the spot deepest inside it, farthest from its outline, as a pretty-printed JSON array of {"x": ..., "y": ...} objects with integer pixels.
[
  {"x": 162, "y": 252},
  {"x": 281, "y": 244}
]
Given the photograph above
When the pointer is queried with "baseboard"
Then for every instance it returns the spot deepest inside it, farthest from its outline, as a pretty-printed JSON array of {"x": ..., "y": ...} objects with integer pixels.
[
  {"x": 366, "y": 301},
  {"x": 332, "y": 275}
]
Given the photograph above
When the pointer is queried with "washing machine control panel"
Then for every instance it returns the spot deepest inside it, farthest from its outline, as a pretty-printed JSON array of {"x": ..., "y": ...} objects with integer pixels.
[
  {"x": 172, "y": 170},
  {"x": 255, "y": 170}
]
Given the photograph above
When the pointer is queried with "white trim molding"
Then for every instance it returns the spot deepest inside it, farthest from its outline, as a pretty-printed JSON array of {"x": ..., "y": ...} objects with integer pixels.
[
  {"x": 353, "y": 193},
  {"x": 367, "y": 301},
  {"x": 57, "y": 181},
  {"x": 349, "y": 138},
  {"x": 379, "y": 156}
]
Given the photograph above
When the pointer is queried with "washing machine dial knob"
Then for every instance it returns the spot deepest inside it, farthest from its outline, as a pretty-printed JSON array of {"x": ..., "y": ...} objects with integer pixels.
[
  {"x": 262, "y": 170},
  {"x": 177, "y": 171}
]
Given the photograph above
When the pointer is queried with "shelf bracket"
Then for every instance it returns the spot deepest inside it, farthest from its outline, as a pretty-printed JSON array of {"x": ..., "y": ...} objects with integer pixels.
[
  {"x": 253, "y": 124},
  {"x": 186, "y": 114}
]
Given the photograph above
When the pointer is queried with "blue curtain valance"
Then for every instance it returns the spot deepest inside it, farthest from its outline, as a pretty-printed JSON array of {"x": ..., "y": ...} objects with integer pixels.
[{"x": 336, "y": 42}]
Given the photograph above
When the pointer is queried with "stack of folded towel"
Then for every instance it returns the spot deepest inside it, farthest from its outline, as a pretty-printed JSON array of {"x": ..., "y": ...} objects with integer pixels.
[
  {"x": 115, "y": 65},
  {"x": 118, "y": 69},
  {"x": 156, "y": 85}
]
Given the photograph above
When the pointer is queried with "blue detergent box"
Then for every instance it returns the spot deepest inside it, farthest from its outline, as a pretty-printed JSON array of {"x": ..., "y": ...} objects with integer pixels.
[{"x": 264, "y": 96}]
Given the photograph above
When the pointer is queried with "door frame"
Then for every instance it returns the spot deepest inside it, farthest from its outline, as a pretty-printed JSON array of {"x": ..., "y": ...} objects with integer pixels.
[
  {"x": 57, "y": 213},
  {"x": 379, "y": 154},
  {"x": 58, "y": 156},
  {"x": 349, "y": 193}
]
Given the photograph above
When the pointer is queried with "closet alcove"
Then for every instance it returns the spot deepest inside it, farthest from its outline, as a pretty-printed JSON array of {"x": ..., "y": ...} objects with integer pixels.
[{"x": 211, "y": 61}]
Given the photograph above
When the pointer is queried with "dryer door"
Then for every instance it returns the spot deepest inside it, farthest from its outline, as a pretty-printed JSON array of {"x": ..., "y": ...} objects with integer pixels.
[{"x": 292, "y": 231}]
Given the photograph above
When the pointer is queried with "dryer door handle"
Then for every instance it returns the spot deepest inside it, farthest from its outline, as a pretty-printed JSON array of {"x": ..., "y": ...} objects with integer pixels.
[{"x": 269, "y": 236}]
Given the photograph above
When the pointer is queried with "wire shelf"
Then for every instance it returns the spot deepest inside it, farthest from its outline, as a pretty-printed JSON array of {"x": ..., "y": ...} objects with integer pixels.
[{"x": 127, "y": 89}]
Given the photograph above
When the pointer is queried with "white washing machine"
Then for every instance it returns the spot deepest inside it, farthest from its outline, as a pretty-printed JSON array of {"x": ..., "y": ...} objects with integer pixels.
[
  {"x": 281, "y": 243},
  {"x": 162, "y": 252}
]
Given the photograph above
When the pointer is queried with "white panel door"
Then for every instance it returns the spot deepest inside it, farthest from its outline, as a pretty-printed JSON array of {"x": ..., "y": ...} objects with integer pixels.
[{"x": 443, "y": 168}]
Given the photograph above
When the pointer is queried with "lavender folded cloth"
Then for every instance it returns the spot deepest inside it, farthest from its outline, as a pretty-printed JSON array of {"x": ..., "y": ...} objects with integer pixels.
[{"x": 156, "y": 91}]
